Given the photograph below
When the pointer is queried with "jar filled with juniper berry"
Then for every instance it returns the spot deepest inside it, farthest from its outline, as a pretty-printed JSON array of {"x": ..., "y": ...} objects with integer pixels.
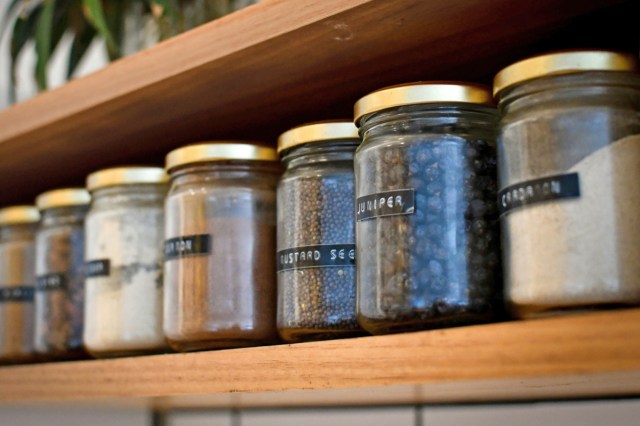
[
  {"x": 426, "y": 210},
  {"x": 316, "y": 233}
]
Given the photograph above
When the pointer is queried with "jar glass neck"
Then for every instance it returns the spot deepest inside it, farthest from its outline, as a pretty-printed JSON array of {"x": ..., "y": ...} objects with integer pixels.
[
  {"x": 114, "y": 195},
  {"x": 320, "y": 152},
  {"x": 458, "y": 118},
  {"x": 593, "y": 86},
  {"x": 225, "y": 169},
  {"x": 64, "y": 215},
  {"x": 22, "y": 231}
]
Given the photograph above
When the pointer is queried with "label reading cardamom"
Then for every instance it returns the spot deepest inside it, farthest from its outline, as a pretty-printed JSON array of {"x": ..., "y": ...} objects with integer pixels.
[
  {"x": 539, "y": 190},
  {"x": 189, "y": 245}
]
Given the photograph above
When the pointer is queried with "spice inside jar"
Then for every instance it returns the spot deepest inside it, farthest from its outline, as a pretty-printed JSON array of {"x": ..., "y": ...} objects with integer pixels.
[
  {"x": 17, "y": 281},
  {"x": 124, "y": 284},
  {"x": 316, "y": 233},
  {"x": 59, "y": 267},
  {"x": 220, "y": 278},
  {"x": 569, "y": 150},
  {"x": 426, "y": 230}
]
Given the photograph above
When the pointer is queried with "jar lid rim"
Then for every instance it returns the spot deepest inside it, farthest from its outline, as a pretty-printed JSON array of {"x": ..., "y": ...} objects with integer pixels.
[
  {"x": 63, "y": 197},
  {"x": 14, "y": 215},
  {"x": 205, "y": 152},
  {"x": 563, "y": 62},
  {"x": 422, "y": 92},
  {"x": 319, "y": 131},
  {"x": 126, "y": 175}
]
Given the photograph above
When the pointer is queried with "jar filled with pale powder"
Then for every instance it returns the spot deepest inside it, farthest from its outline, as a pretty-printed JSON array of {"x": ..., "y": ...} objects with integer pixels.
[
  {"x": 17, "y": 281},
  {"x": 569, "y": 167},
  {"x": 124, "y": 234}
]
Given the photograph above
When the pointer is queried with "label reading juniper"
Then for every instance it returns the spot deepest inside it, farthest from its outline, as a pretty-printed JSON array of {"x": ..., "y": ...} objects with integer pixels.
[
  {"x": 51, "y": 282},
  {"x": 190, "y": 245},
  {"x": 389, "y": 203},
  {"x": 16, "y": 294},
  {"x": 539, "y": 190},
  {"x": 98, "y": 268},
  {"x": 321, "y": 256}
]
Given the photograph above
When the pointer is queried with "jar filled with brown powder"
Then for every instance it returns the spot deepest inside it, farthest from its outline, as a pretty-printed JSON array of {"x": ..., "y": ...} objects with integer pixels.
[
  {"x": 17, "y": 232},
  {"x": 220, "y": 230}
]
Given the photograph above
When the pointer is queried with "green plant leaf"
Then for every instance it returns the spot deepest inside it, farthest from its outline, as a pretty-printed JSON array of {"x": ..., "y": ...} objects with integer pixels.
[
  {"x": 95, "y": 14},
  {"x": 23, "y": 31},
  {"x": 81, "y": 42},
  {"x": 7, "y": 15},
  {"x": 43, "y": 39}
]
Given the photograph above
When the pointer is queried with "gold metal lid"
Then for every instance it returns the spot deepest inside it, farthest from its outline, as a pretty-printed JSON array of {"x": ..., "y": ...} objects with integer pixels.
[
  {"x": 63, "y": 197},
  {"x": 317, "y": 132},
  {"x": 19, "y": 214},
  {"x": 126, "y": 176},
  {"x": 422, "y": 92},
  {"x": 219, "y": 151},
  {"x": 567, "y": 62}
]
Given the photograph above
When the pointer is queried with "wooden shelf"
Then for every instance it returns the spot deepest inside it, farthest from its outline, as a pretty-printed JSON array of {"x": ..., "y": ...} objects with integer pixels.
[
  {"x": 586, "y": 355},
  {"x": 256, "y": 72}
]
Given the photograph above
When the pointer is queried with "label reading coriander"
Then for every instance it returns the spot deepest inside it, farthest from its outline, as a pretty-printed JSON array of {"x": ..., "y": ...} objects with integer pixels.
[
  {"x": 539, "y": 190},
  {"x": 16, "y": 294},
  {"x": 189, "y": 245},
  {"x": 388, "y": 203},
  {"x": 51, "y": 282},
  {"x": 320, "y": 256},
  {"x": 98, "y": 268}
]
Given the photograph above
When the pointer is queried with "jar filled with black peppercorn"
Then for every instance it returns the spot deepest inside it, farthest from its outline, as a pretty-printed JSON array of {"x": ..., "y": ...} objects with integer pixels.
[
  {"x": 316, "y": 233},
  {"x": 220, "y": 230},
  {"x": 426, "y": 213},
  {"x": 59, "y": 293},
  {"x": 17, "y": 233}
]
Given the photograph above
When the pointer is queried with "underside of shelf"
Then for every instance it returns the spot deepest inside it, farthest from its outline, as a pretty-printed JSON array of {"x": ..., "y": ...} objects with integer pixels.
[
  {"x": 579, "y": 356},
  {"x": 256, "y": 72}
]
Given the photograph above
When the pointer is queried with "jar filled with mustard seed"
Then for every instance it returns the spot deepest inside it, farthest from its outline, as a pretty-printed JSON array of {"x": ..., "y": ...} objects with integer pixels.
[
  {"x": 220, "y": 277},
  {"x": 59, "y": 292},
  {"x": 124, "y": 285},
  {"x": 569, "y": 166},
  {"x": 426, "y": 213},
  {"x": 316, "y": 233},
  {"x": 18, "y": 226}
]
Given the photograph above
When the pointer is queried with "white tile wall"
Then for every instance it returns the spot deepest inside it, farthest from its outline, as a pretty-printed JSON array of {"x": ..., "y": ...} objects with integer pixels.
[
  {"x": 396, "y": 416},
  {"x": 587, "y": 413},
  {"x": 58, "y": 416},
  {"x": 199, "y": 418}
]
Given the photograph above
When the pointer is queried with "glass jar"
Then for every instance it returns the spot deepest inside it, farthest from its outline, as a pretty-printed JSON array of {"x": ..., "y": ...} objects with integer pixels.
[
  {"x": 59, "y": 293},
  {"x": 17, "y": 232},
  {"x": 124, "y": 286},
  {"x": 569, "y": 157},
  {"x": 426, "y": 214},
  {"x": 220, "y": 278},
  {"x": 316, "y": 233}
]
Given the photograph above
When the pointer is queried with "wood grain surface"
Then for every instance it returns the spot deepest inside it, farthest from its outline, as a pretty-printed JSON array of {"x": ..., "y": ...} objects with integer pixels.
[
  {"x": 586, "y": 355},
  {"x": 256, "y": 72}
]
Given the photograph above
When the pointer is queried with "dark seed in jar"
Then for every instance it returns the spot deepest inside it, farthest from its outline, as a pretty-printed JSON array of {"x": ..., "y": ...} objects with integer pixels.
[{"x": 440, "y": 265}]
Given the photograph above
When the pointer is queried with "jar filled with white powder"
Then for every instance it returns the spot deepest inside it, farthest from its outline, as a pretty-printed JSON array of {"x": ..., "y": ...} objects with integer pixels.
[
  {"x": 569, "y": 169},
  {"x": 124, "y": 235}
]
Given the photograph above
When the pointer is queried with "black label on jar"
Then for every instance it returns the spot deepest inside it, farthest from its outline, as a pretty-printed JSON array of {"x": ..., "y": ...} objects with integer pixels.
[
  {"x": 389, "y": 203},
  {"x": 98, "y": 268},
  {"x": 538, "y": 191},
  {"x": 190, "y": 245},
  {"x": 321, "y": 256},
  {"x": 51, "y": 282},
  {"x": 16, "y": 294}
]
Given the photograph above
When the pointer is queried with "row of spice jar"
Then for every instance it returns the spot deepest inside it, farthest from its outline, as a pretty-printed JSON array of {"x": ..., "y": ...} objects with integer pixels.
[{"x": 418, "y": 212}]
